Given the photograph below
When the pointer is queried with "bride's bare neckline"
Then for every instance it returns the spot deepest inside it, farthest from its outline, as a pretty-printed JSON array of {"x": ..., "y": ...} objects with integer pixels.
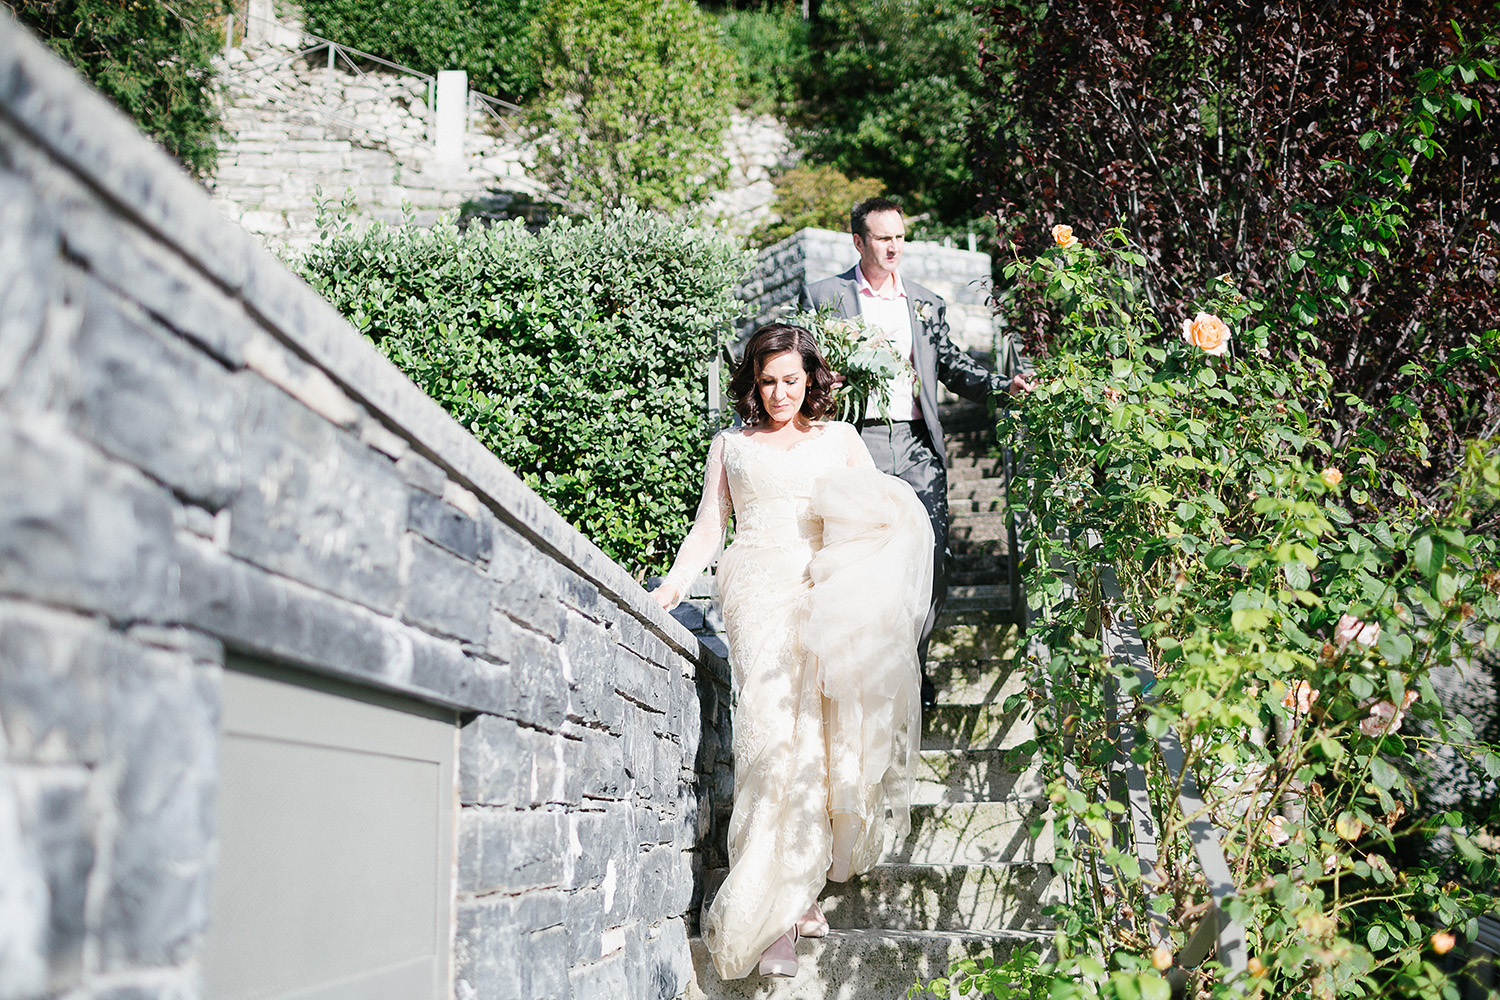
[{"x": 755, "y": 434}]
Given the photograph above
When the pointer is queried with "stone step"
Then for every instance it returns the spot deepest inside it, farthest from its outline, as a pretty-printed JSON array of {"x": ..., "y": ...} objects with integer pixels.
[
  {"x": 974, "y": 832},
  {"x": 971, "y": 597},
  {"x": 975, "y": 681},
  {"x": 965, "y": 467},
  {"x": 973, "y": 528},
  {"x": 971, "y": 640},
  {"x": 977, "y": 727},
  {"x": 985, "y": 619},
  {"x": 983, "y": 897},
  {"x": 859, "y": 964},
  {"x": 945, "y": 777},
  {"x": 989, "y": 503}
]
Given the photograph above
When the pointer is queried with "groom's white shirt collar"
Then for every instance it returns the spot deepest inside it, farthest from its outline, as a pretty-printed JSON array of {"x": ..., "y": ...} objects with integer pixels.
[{"x": 895, "y": 290}]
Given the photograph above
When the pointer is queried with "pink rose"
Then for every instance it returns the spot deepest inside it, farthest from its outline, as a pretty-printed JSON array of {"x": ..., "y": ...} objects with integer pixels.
[
  {"x": 1385, "y": 717},
  {"x": 1351, "y": 629}
]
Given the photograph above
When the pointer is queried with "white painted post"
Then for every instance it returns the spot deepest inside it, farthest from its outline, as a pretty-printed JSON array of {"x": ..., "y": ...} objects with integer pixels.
[
  {"x": 452, "y": 117},
  {"x": 260, "y": 21},
  {"x": 228, "y": 34}
]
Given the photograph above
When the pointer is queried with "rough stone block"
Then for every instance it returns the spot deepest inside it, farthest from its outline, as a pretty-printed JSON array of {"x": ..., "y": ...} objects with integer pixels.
[
  {"x": 79, "y": 532},
  {"x": 528, "y": 582},
  {"x": 487, "y": 950},
  {"x": 489, "y": 763},
  {"x": 58, "y": 822},
  {"x": 642, "y": 682},
  {"x": 422, "y": 473},
  {"x": 602, "y": 979},
  {"x": 444, "y": 593},
  {"x": 164, "y": 738},
  {"x": 585, "y": 925},
  {"x": 142, "y": 268},
  {"x": 52, "y": 687},
  {"x": 448, "y": 526},
  {"x": 544, "y": 974},
  {"x": 29, "y": 245},
  {"x": 601, "y": 766},
  {"x": 541, "y": 691},
  {"x": 590, "y": 664},
  {"x": 145, "y": 398},
  {"x": 316, "y": 506},
  {"x": 513, "y": 850}
]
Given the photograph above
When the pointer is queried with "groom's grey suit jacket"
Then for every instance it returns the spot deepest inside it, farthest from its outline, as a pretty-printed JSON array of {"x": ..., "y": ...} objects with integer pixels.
[{"x": 936, "y": 358}]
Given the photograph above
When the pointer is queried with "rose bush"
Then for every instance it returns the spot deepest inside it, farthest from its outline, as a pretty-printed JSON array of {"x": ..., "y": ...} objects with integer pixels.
[{"x": 1294, "y": 629}]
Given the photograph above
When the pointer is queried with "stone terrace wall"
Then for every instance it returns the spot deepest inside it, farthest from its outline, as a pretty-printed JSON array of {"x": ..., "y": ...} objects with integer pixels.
[
  {"x": 961, "y": 277},
  {"x": 199, "y": 458}
]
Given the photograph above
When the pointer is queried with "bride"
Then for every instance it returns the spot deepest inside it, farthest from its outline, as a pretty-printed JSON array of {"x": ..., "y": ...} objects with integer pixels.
[{"x": 824, "y": 590}]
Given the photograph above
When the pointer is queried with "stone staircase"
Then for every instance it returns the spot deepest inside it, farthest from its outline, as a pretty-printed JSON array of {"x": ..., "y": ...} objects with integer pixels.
[{"x": 971, "y": 879}]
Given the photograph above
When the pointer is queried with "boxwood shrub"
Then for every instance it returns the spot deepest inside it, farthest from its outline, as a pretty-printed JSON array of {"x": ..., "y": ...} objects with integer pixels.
[{"x": 577, "y": 354}]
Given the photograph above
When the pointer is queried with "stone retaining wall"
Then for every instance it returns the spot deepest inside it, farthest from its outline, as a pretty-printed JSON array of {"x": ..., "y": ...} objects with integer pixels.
[{"x": 201, "y": 459}]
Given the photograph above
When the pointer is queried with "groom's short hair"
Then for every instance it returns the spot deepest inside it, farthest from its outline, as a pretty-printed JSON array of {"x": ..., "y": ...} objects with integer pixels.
[{"x": 867, "y": 208}]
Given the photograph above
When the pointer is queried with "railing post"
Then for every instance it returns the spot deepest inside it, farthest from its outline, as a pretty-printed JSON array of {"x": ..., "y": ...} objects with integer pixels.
[
  {"x": 452, "y": 116},
  {"x": 333, "y": 51},
  {"x": 228, "y": 34}
]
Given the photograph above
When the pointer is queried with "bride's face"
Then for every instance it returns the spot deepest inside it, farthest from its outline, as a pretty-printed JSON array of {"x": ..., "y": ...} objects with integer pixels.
[{"x": 783, "y": 386}]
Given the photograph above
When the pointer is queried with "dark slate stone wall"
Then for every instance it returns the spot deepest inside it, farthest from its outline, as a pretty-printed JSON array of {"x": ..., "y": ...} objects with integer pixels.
[{"x": 198, "y": 457}]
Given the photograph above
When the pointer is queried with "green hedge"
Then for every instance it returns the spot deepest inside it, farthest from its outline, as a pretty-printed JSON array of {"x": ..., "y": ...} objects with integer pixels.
[
  {"x": 490, "y": 39},
  {"x": 577, "y": 354}
]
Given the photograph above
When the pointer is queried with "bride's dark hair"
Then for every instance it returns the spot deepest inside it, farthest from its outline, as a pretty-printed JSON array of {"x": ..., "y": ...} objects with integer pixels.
[{"x": 765, "y": 344}]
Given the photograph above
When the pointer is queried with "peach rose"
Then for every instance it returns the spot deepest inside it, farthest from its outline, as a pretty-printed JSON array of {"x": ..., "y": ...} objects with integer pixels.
[
  {"x": 1206, "y": 332},
  {"x": 1443, "y": 942},
  {"x": 1301, "y": 697},
  {"x": 1064, "y": 236},
  {"x": 1331, "y": 477},
  {"x": 1276, "y": 830}
]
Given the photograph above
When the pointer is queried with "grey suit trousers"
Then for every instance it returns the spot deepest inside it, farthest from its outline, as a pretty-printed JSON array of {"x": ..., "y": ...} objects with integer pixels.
[{"x": 904, "y": 449}]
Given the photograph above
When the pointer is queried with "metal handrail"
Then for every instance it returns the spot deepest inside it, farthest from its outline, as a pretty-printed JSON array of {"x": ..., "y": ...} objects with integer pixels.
[{"x": 1125, "y": 648}]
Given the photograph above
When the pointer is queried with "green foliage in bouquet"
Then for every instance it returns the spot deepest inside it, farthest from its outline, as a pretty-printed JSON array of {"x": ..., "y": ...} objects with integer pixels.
[
  {"x": 578, "y": 354},
  {"x": 1302, "y": 641},
  {"x": 862, "y": 355}
]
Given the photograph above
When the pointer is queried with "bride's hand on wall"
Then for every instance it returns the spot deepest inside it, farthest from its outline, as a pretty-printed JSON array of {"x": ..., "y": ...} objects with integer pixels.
[{"x": 666, "y": 595}]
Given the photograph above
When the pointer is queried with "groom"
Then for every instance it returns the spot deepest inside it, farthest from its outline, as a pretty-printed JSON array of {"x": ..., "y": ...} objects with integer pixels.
[{"x": 911, "y": 445}]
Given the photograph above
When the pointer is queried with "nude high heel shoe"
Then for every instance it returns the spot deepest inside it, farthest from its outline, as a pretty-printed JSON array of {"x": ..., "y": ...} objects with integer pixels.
[
  {"x": 812, "y": 924},
  {"x": 781, "y": 958}
]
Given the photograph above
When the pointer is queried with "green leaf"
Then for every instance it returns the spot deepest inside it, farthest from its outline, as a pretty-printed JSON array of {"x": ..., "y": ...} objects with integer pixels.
[
  {"x": 1154, "y": 987},
  {"x": 1383, "y": 774}
]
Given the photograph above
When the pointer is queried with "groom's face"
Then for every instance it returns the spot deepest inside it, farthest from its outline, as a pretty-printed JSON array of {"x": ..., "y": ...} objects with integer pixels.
[{"x": 881, "y": 245}]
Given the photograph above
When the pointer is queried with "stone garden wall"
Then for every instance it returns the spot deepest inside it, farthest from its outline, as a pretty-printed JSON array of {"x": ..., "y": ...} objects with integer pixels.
[{"x": 198, "y": 460}]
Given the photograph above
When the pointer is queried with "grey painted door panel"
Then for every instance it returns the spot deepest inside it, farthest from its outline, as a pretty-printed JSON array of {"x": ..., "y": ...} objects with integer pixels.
[{"x": 335, "y": 844}]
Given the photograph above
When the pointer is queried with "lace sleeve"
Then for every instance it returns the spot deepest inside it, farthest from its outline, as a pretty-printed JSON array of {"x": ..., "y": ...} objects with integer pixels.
[
  {"x": 855, "y": 452},
  {"x": 702, "y": 543}
]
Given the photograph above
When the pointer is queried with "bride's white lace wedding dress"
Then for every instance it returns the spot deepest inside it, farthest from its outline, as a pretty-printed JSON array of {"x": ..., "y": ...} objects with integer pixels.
[{"x": 823, "y": 590}]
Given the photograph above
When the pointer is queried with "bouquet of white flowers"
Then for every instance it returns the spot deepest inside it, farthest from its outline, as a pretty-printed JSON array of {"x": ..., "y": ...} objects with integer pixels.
[{"x": 864, "y": 356}]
